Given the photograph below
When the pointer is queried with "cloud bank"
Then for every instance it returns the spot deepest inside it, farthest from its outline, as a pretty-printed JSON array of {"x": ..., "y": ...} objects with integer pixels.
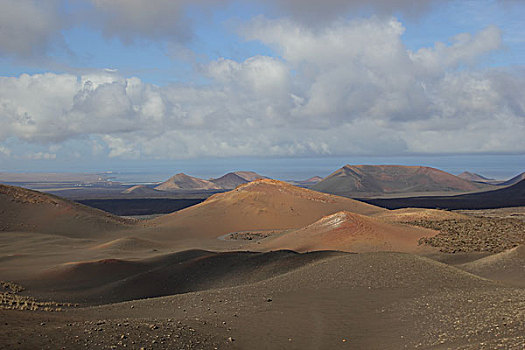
[
  {"x": 31, "y": 28},
  {"x": 351, "y": 87}
]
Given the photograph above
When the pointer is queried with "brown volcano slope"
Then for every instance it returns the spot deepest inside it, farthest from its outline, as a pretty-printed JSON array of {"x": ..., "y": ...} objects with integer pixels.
[
  {"x": 184, "y": 182},
  {"x": 32, "y": 211},
  {"x": 507, "y": 266},
  {"x": 115, "y": 280},
  {"x": 258, "y": 205},
  {"x": 385, "y": 179},
  {"x": 352, "y": 233}
]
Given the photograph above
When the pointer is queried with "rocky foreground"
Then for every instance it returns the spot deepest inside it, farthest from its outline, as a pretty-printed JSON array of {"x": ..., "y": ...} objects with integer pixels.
[{"x": 474, "y": 234}]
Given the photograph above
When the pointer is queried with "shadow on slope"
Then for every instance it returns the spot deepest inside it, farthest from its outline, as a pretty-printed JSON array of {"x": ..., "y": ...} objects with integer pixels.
[{"x": 113, "y": 280}]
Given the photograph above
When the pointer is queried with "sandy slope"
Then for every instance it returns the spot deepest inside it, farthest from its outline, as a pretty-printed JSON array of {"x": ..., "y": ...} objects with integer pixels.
[
  {"x": 350, "y": 232},
  {"x": 113, "y": 280},
  {"x": 31, "y": 211},
  {"x": 507, "y": 266},
  {"x": 65, "y": 252},
  {"x": 363, "y": 301},
  {"x": 261, "y": 204}
]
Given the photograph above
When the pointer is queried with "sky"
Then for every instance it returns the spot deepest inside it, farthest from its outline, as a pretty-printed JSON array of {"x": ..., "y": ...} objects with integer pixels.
[{"x": 286, "y": 87}]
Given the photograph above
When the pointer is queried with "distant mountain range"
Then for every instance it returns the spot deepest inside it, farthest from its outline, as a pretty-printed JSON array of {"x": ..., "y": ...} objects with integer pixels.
[
  {"x": 226, "y": 182},
  {"x": 350, "y": 180},
  {"x": 480, "y": 178},
  {"x": 357, "y": 180},
  {"x": 229, "y": 181}
]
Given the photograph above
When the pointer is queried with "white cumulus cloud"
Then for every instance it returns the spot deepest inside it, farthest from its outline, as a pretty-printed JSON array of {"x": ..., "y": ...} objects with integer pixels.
[{"x": 351, "y": 87}]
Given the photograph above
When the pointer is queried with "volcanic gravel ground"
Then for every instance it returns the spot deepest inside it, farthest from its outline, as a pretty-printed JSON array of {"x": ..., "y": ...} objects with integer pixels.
[{"x": 492, "y": 235}]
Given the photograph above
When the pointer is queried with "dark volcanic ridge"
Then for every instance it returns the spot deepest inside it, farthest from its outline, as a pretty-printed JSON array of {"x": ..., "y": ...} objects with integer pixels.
[
  {"x": 514, "y": 180},
  {"x": 512, "y": 196}
]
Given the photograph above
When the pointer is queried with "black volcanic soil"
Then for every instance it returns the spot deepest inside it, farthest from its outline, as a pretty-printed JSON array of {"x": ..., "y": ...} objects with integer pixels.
[{"x": 140, "y": 206}]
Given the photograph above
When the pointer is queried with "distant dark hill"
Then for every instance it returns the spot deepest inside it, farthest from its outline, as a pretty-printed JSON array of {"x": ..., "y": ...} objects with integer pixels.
[
  {"x": 249, "y": 175},
  {"x": 237, "y": 178},
  {"x": 514, "y": 180},
  {"x": 184, "y": 182},
  {"x": 512, "y": 196},
  {"x": 229, "y": 181},
  {"x": 314, "y": 179},
  {"x": 308, "y": 182},
  {"x": 356, "y": 180},
  {"x": 467, "y": 175}
]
